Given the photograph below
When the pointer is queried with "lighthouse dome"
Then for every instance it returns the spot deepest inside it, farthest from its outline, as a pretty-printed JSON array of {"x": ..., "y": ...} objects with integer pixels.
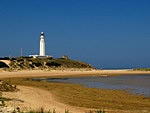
[{"x": 42, "y": 33}]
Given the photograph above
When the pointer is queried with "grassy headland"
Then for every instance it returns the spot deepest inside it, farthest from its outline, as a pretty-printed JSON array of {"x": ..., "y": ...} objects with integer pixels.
[{"x": 22, "y": 63}]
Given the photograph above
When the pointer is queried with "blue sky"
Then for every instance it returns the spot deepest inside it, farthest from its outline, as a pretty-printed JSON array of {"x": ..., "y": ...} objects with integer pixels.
[{"x": 104, "y": 33}]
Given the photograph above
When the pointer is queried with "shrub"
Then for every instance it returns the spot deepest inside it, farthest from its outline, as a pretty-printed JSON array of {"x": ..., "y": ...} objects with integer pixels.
[
  {"x": 37, "y": 64},
  {"x": 53, "y": 64}
]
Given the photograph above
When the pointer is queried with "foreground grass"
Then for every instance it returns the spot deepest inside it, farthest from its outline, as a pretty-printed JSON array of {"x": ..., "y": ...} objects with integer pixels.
[
  {"x": 77, "y": 95},
  {"x": 66, "y": 111}
]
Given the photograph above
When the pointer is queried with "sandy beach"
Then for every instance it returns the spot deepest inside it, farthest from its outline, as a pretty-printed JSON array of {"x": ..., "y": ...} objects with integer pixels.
[
  {"x": 30, "y": 96},
  {"x": 44, "y": 73}
]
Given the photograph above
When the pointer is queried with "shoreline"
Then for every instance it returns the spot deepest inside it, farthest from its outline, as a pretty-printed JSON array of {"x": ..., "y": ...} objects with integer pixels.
[
  {"x": 54, "y": 73},
  {"x": 75, "y": 96},
  {"x": 112, "y": 101}
]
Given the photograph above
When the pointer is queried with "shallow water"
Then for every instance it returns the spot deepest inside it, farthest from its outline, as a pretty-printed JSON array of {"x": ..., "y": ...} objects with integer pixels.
[{"x": 139, "y": 84}]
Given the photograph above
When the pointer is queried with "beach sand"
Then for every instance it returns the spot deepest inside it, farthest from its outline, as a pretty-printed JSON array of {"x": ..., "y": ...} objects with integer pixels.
[
  {"x": 34, "y": 98},
  {"x": 30, "y": 98},
  {"x": 45, "y": 73}
]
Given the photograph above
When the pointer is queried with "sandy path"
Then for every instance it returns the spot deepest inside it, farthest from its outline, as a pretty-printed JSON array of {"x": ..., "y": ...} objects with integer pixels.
[{"x": 29, "y": 98}]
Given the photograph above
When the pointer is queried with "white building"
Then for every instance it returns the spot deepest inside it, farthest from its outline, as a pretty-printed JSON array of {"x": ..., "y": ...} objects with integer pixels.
[
  {"x": 42, "y": 48},
  {"x": 42, "y": 44}
]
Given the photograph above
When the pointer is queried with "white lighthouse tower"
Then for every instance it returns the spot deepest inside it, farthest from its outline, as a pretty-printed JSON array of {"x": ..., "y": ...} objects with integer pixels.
[
  {"x": 42, "y": 48},
  {"x": 42, "y": 44}
]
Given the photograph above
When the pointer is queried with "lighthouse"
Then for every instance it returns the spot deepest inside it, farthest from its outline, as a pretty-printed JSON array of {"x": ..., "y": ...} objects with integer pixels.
[
  {"x": 42, "y": 48},
  {"x": 42, "y": 44}
]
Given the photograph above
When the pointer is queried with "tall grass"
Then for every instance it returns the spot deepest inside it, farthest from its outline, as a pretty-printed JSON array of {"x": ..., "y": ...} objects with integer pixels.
[
  {"x": 49, "y": 111},
  {"x": 54, "y": 111}
]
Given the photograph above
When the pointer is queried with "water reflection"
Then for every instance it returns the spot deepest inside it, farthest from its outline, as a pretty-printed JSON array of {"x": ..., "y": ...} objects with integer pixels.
[{"x": 139, "y": 84}]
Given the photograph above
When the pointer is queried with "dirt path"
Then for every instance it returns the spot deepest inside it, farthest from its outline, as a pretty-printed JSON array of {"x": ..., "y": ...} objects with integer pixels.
[{"x": 29, "y": 98}]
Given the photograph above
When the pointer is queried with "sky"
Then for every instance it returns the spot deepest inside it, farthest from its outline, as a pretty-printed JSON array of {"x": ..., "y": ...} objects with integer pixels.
[{"x": 103, "y": 33}]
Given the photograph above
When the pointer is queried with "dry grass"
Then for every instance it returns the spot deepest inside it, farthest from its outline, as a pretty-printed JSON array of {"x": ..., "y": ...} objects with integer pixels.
[{"x": 78, "y": 95}]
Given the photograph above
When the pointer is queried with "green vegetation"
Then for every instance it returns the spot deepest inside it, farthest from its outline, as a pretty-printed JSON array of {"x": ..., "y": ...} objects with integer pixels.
[
  {"x": 99, "y": 111},
  {"x": 4, "y": 99},
  {"x": 142, "y": 69},
  {"x": 66, "y": 111},
  {"x": 77, "y": 95},
  {"x": 46, "y": 63},
  {"x": 42, "y": 111},
  {"x": 50, "y": 111}
]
